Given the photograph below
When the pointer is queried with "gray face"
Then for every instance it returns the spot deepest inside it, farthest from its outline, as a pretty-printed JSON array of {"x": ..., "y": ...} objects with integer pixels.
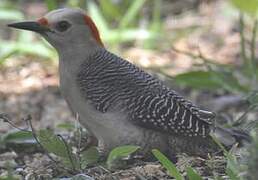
[
  {"x": 62, "y": 28},
  {"x": 67, "y": 28}
]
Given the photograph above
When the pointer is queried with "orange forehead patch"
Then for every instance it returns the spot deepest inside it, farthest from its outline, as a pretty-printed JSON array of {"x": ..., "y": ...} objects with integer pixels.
[
  {"x": 43, "y": 21},
  {"x": 94, "y": 29}
]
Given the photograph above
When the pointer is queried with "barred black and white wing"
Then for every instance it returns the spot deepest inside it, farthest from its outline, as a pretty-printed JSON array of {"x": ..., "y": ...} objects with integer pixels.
[{"x": 107, "y": 80}]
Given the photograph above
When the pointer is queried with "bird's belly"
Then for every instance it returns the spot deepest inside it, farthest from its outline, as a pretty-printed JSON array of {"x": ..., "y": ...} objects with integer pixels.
[
  {"x": 111, "y": 128},
  {"x": 105, "y": 126}
]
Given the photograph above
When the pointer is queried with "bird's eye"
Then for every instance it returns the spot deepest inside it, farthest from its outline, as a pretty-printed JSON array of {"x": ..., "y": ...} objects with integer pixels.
[{"x": 63, "y": 26}]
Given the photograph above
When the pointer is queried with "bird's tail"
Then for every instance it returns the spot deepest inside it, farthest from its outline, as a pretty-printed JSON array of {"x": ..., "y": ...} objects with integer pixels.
[{"x": 231, "y": 136}]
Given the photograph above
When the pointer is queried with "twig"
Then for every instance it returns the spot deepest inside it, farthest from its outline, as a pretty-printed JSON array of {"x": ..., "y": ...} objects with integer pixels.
[
  {"x": 5, "y": 118},
  {"x": 78, "y": 153},
  {"x": 28, "y": 120},
  {"x": 192, "y": 55},
  {"x": 196, "y": 56}
]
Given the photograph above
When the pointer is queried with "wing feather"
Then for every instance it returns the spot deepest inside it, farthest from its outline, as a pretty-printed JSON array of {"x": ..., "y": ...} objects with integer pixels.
[{"x": 107, "y": 80}]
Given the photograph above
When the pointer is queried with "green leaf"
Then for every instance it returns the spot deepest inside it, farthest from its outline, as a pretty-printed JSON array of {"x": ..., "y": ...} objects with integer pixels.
[
  {"x": 89, "y": 156},
  {"x": 51, "y": 5},
  {"x": 197, "y": 79},
  {"x": 128, "y": 35},
  {"x": 231, "y": 174},
  {"x": 110, "y": 9},
  {"x": 71, "y": 162},
  {"x": 35, "y": 48},
  {"x": 9, "y": 14},
  {"x": 192, "y": 174},
  {"x": 232, "y": 168},
  {"x": 210, "y": 80},
  {"x": 228, "y": 81},
  {"x": 67, "y": 126},
  {"x": 119, "y": 153},
  {"x": 250, "y": 7},
  {"x": 53, "y": 144},
  {"x": 19, "y": 137},
  {"x": 172, "y": 170}
]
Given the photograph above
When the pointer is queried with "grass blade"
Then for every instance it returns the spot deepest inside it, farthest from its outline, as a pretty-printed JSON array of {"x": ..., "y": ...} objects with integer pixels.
[
  {"x": 131, "y": 13},
  {"x": 173, "y": 171},
  {"x": 192, "y": 174}
]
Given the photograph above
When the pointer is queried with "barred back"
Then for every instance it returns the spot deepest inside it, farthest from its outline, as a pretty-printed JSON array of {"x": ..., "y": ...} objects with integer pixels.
[{"x": 107, "y": 80}]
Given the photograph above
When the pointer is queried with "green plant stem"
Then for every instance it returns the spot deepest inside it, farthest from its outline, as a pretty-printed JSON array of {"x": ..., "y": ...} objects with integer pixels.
[
  {"x": 155, "y": 26},
  {"x": 131, "y": 13},
  {"x": 79, "y": 130},
  {"x": 253, "y": 49},
  {"x": 242, "y": 118},
  {"x": 156, "y": 15},
  {"x": 249, "y": 61},
  {"x": 253, "y": 45},
  {"x": 68, "y": 152},
  {"x": 241, "y": 31}
]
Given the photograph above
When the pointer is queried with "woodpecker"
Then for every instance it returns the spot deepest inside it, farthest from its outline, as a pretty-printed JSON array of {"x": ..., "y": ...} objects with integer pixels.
[{"x": 118, "y": 102}]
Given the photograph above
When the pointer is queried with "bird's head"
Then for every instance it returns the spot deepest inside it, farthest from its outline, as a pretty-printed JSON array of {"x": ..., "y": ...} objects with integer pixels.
[{"x": 64, "y": 28}]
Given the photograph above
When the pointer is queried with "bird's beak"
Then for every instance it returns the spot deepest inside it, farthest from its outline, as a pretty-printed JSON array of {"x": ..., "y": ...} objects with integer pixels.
[{"x": 30, "y": 26}]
